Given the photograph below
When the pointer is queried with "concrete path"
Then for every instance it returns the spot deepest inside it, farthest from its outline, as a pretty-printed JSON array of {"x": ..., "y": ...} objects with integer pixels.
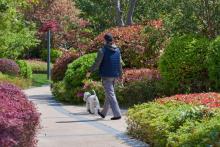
[{"x": 72, "y": 126}]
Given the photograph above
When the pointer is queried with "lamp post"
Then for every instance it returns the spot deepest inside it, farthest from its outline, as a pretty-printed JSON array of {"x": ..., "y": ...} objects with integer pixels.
[
  {"x": 48, "y": 27},
  {"x": 48, "y": 54}
]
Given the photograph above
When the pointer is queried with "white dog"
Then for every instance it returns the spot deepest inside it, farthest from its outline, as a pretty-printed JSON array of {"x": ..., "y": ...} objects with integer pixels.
[{"x": 92, "y": 102}]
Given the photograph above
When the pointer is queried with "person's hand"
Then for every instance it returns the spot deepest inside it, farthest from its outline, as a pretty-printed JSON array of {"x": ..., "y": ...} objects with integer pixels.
[{"x": 88, "y": 74}]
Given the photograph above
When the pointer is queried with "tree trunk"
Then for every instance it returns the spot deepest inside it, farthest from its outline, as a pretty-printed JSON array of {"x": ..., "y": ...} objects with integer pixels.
[
  {"x": 132, "y": 4},
  {"x": 118, "y": 11}
]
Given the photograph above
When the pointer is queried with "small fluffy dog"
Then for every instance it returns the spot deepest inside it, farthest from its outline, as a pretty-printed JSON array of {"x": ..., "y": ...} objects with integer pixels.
[{"x": 92, "y": 102}]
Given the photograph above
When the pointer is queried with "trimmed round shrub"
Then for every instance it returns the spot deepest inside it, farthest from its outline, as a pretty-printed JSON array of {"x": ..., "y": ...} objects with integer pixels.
[
  {"x": 60, "y": 67},
  {"x": 8, "y": 66},
  {"x": 137, "y": 47},
  {"x": 54, "y": 54},
  {"x": 213, "y": 62},
  {"x": 183, "y": 66},
  {"x": 77, "y": 70},
  {"x": 25, "y": 69},
  {"x": 19, "y": 119}
]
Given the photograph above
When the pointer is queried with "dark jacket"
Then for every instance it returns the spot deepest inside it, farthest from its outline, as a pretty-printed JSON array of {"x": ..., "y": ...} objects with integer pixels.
[{"x": 107, "y": 69}]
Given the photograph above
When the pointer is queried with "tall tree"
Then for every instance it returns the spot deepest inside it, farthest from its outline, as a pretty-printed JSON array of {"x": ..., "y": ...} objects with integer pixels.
[
  {"x": 118, "y": 12},
  {"x": 132, "y": 4},
  {"x": 71, "y": 33}
]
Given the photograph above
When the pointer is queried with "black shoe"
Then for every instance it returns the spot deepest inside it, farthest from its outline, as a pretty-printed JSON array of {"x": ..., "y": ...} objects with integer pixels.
[
  {"x": 100, "y": 114},
  {"x": 90, "y": 112},
  {"x": 116, "y": 118}
]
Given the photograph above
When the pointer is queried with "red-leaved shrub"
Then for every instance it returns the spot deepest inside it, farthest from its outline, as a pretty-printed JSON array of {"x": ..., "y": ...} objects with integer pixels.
[
  {"x": 9, "y": 66},
  {"x": 19, "y": 119},
  {"x": 136, "y": 50},
  {"x": 131, "y": 75},
  {"x": 211, "y": 99},
  {"x": 60, "y": 67}
]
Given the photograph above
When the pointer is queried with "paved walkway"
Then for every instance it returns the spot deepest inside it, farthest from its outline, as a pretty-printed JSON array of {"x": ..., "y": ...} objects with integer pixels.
[{"x": 72, "y": 126}]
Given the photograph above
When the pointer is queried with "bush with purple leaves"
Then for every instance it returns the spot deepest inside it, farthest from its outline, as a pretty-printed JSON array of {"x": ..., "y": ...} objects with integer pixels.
[
  {"x": 8, "y": 66},
  {"x": 19, "y": 119}
]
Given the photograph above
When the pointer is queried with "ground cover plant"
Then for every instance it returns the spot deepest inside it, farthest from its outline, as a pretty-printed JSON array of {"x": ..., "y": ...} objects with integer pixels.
[{"x": 18, "y": 81}]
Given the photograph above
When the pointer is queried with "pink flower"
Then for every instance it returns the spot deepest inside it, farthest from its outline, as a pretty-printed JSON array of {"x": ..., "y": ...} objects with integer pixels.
[{"x": 79, "y": 94}]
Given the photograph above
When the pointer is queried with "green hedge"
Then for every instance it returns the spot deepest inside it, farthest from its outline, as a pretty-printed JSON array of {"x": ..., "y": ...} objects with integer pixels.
[
  {"x": 53, "y": 55},
  {"x": 174, "y": 124},
  {"x": 137, "y": 92},
  {"x": 213, "y": 62},
  {"x": 183, "y": 64},
  {"x": 77, "y": 70},
  {"x": 68, "y": 95},
  {"x": 25, "y": 69}
]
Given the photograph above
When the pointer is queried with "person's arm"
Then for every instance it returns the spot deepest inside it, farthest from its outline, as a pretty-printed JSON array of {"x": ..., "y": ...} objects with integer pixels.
[
  {"x": 121, "y": 65},
  {"x": 97, "y": 62}
]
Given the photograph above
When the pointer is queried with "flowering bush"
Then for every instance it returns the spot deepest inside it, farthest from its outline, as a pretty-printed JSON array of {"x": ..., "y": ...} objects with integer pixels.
[
  {"x": 19, "y": 118},
  {"x": 25, "y": 69},
  {"x": 133, "y": 43},
  {"x": 60, "y": 67},
  {"x": 131, "y": 75},
  {"x": 8, "y": 66},
  {"x": 211, "y": 100}
]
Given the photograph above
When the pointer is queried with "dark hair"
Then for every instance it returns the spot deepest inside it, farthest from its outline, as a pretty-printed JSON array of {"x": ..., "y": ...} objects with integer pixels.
[{"x": 108, "y": 37}]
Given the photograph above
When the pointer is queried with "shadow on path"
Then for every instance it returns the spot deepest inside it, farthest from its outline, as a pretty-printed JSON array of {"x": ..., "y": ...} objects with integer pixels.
[
  {"x": 78, "y": 121},
  {"x": 48, "y": 100}
]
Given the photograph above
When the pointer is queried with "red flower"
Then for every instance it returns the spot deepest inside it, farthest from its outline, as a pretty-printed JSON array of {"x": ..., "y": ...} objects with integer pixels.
[{"x": 211, "y": 100}]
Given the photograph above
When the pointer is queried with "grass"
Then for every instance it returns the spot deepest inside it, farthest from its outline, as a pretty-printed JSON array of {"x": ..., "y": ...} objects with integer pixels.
[{"x": 39, "y": 80}]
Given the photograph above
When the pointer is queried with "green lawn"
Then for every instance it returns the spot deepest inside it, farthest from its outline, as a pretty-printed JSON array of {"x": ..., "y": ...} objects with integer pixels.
[{"x": 39, "y": 80}]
